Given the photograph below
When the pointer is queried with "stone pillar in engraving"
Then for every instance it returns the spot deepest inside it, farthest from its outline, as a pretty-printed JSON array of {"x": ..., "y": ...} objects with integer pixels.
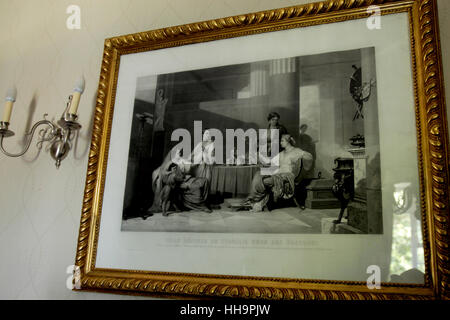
[
  {"x": 160, "y": 110},
  {"x": 372, "y": 145},
  {"x": 163, "y": 101},
  {"x": 258, "y": 79},
  {"x": 283, "y": 92},
  {"x": 359, "y": 172},
  {"x": 258, "y": 88},
  {"x": 357, "y": 209},
  {"x": 365, "y": 211}
]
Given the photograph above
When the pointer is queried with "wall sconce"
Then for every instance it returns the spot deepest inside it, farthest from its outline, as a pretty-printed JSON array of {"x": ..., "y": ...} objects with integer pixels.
[{"x": 59, "y": 134}]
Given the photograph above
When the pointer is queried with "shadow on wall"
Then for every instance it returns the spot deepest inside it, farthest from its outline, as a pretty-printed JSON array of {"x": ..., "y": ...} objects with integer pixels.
[{"x": 31, "y": 110}]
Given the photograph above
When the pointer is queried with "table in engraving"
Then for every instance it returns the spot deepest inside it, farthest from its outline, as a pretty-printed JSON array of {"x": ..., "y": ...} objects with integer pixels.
[{"x": 234, "y": 180}]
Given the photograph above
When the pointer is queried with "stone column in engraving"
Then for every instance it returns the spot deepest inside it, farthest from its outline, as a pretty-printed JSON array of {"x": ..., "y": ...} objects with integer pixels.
[{"x": 283, "y": 92}]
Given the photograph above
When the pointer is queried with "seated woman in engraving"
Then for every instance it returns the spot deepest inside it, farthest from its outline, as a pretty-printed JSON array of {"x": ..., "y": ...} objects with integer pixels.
[
  {"x": 281, "y": 183},
  {"x": 202, "y": 158},
  {"x": 193, "y": 190}
]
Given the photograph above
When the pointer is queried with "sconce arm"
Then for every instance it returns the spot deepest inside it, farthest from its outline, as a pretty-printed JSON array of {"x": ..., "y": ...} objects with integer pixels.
[{"x": 30, "y": 136}]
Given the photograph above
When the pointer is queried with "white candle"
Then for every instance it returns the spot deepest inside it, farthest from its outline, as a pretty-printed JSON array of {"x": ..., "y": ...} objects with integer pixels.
[
  {"x": 79, "y": 88},
  {"x": 10, "y": 99}
]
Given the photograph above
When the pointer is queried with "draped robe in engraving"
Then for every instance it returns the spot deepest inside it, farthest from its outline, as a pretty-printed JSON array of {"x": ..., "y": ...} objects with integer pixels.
[
  {"x": 194, "y": 190},
  {"x": 281, "y": 184}
]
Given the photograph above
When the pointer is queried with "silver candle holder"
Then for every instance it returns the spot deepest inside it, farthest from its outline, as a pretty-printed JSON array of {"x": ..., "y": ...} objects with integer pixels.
[{"x": 58, "y": 135}]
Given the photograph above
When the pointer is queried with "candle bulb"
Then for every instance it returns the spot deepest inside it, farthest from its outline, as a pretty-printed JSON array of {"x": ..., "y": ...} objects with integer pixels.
[
  {"x": 10, "y": 99},
  {"x": 79, "y": 88}
]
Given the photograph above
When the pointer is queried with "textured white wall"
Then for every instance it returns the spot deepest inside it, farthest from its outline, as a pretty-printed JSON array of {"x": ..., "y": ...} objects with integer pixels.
[{"x": 39, "y": 205}]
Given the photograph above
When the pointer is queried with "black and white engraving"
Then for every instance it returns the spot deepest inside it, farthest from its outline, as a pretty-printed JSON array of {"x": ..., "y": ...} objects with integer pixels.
[{"x": 283, "y": 146}]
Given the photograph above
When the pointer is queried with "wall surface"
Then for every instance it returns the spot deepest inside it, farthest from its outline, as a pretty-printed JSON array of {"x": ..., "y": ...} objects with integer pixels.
[{"x": 40, "y": 206}]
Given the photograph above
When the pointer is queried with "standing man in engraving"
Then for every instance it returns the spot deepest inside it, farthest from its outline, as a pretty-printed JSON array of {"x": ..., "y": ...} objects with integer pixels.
[{"x": 274, "y": 123}]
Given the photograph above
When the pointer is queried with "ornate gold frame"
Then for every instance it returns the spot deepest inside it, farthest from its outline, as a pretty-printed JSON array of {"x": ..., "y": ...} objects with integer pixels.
[{"x": 432, "y": 152}]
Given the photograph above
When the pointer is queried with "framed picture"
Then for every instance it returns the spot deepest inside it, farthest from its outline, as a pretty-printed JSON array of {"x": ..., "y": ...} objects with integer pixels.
[{"x": 296, "y": 153}]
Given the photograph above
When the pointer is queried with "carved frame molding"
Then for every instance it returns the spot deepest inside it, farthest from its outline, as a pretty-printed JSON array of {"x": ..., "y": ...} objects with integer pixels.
[{"x": 432, "y": 135}]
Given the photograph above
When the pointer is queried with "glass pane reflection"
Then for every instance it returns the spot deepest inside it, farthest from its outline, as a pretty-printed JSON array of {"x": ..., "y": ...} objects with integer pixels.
[{"x": 407, "y": 256}]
